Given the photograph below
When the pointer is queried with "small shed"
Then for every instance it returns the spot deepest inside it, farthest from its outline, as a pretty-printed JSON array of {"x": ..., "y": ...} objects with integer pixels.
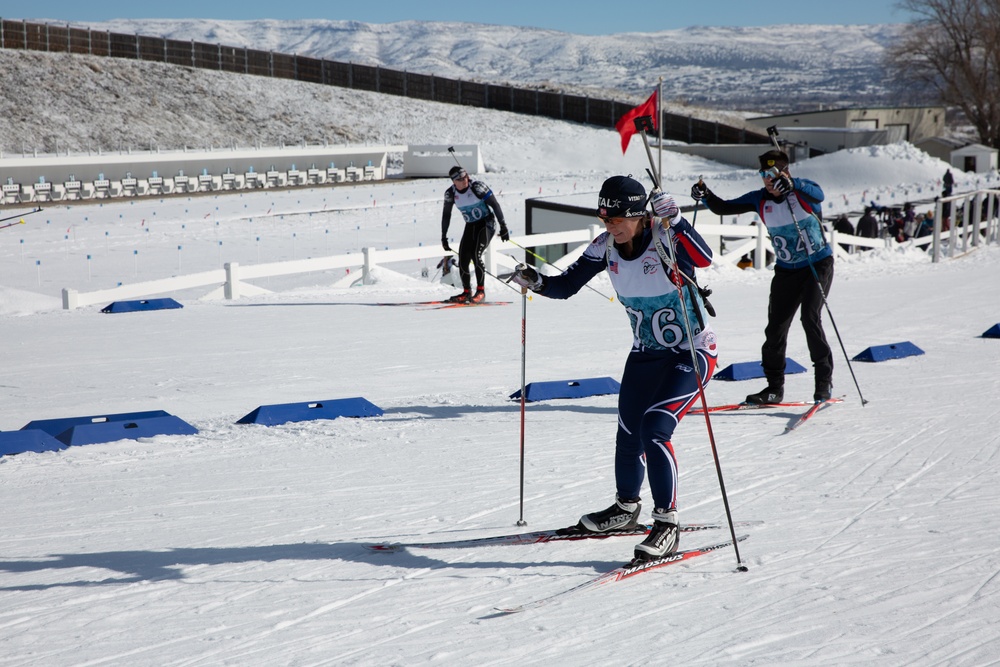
[
  {"x": 939, "y": 147},
  {"x": 974, "y": 158}
]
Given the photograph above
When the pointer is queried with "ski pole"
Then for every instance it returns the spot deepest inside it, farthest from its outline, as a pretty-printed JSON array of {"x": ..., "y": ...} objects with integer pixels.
[
  {"x": 451, "y": 149},
  {"x": 524, "y": 320},
  {"x": 772, "y": 132},
  {"x": 537, "y": 256},
  {"x": 20, "y": 215},
  {"x": 641, "y": 124},
  {"x": 692, "y": 283},
  {"x": 11, "y": 224}
]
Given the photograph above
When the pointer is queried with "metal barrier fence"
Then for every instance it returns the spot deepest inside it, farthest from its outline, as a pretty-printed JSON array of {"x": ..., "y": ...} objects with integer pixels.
[{"x": 575, "y": 108}]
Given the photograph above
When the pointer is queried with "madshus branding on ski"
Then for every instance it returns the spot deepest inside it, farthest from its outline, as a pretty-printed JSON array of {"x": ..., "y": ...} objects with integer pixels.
[
  {"x": 632, "y": 568},
  {"x": 575, "y": 533}
]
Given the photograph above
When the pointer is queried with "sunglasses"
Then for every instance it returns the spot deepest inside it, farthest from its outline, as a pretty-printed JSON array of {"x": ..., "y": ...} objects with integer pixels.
[
  {"x": 769, "y": 173},
  {"x": 618, "y": 220},
  {"x": 460, "y": 176}
]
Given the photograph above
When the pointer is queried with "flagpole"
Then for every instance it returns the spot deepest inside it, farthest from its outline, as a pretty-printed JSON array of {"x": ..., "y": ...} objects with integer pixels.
[{"x": 659, "y": 126}]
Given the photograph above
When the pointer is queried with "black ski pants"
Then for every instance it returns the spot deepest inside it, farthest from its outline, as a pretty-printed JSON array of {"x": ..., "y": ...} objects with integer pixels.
[
  {"x": 476, "y": 236},
  {"x": 792, "y": 289}
]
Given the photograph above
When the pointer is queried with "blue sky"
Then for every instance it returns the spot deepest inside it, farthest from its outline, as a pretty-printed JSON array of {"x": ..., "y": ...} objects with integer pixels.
[{"x": 589, "y": 17}]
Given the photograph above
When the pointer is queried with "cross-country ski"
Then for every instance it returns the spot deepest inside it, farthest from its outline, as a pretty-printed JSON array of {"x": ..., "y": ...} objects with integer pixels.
[
  {"x": 442, "y": 304},
  {"x": 739, "y": 407},
  {"x": 630, "y": 569},
  {"x": 446, "y": 306},
  {"x": 572, "y": 533},
  {"x": 816, "y": 407}
]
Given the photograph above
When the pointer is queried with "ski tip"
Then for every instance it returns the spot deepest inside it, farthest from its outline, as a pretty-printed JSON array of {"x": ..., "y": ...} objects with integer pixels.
[
  {"x": 384, "y": 548},
  {"x": 507, "y": 611}
]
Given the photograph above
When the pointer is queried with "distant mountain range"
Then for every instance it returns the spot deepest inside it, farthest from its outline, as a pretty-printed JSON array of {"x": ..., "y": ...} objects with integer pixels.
[{"x": 770, "y": 69}]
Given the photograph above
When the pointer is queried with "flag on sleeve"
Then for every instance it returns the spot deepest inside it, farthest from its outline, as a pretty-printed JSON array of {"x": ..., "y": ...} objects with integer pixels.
[{"x": 626, "y": 127}]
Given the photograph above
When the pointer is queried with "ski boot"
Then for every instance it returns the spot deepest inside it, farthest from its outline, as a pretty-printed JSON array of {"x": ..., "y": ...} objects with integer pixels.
[
  {"x": 770, "y": 394},
  {"x": 824, "y": 390},
  {"x": 663, "y": 538},
  {"x": 622, "y": 515},
  {"x": 460, "y": 298}
]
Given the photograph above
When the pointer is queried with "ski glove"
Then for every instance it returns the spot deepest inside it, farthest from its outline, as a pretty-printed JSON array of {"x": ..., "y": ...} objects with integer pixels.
[
  {"x": 504, "y": 233},
  {"x": 665, "y": 207},
  {"x": 698, "y": 191},
  {"x": 782, "y": 184},
  {"x": 525, "y": 276},
  {"x": 444, "y": 244}
]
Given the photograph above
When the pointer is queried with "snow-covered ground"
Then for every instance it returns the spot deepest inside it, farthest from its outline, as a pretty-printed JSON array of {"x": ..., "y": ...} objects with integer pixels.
[{"x": 245, "y": 544}]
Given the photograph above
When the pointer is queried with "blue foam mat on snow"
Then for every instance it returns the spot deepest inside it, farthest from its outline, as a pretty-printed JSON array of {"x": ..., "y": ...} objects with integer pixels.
[{"x": 542, "y": 391}]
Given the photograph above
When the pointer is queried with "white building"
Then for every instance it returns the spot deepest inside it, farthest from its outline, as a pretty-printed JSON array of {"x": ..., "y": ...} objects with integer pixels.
[{"x": 974, "y": 158}]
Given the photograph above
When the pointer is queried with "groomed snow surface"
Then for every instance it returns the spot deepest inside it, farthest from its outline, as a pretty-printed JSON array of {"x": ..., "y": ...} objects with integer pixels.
[{"x": 245, "y": 544}]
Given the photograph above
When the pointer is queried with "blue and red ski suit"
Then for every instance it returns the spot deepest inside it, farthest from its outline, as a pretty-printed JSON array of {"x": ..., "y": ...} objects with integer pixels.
[{"x": 658, "y": 383}]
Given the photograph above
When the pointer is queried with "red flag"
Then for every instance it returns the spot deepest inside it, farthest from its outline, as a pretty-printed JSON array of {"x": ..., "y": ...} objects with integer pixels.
[{"x": 626, "y": 127}]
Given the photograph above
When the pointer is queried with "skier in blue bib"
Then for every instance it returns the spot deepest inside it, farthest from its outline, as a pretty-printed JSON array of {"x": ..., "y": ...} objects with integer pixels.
[
  {"x": 658, "y": 384},
  {"x": 480, "y": 209},
  {"x": 791, "y": 211}
]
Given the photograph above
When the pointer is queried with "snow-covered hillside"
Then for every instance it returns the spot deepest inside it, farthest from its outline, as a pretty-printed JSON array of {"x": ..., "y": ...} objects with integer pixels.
[
  {"x": 766, "y": 70},
  {"x": 58, "y": 102}
]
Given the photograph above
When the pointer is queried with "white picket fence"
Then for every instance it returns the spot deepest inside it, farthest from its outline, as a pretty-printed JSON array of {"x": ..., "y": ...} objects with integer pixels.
[
  {"x": 231, "y": 282},
  {"x": 975, "y": 220}
]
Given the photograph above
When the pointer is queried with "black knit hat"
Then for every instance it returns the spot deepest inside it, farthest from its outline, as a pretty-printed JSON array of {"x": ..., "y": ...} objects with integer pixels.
[
  {"x": 621, "y": 197},
  {"x": 773, "y": 158}
]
